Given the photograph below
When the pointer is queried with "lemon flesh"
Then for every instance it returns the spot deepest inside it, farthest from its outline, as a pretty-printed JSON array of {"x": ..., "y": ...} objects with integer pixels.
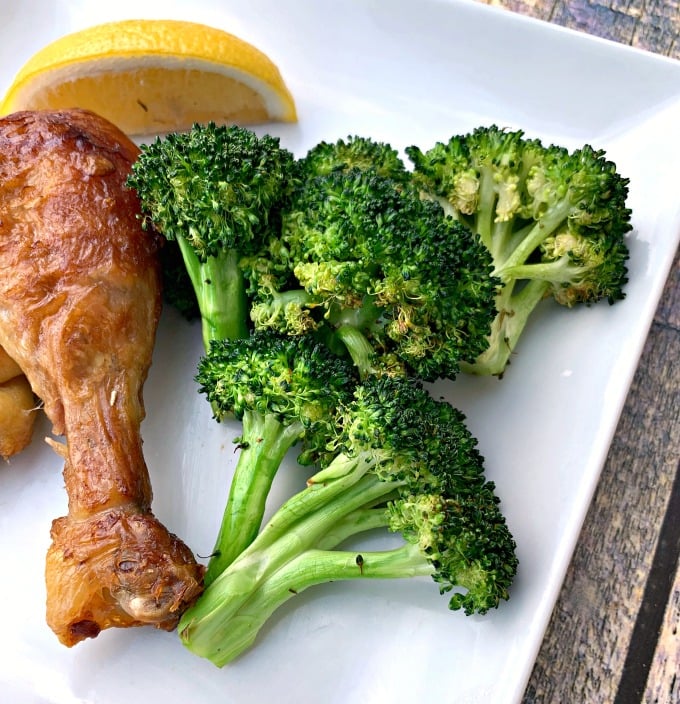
[{"x": 151, "y": 76}]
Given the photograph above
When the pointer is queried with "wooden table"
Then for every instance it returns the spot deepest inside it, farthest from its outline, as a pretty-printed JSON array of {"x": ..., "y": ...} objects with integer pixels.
[{"x": 613, "y": 637}]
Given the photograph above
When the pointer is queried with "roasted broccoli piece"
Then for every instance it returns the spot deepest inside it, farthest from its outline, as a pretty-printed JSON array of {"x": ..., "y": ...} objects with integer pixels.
[
  {"x": 217, "y": 191},
  {"x": 285, "y": 390},
  {"x": 554, "y": 221},
  {"x": 378, "y": 272},
  {"x": 355, "y": 152},
  {"x": 404, "y": 462}
]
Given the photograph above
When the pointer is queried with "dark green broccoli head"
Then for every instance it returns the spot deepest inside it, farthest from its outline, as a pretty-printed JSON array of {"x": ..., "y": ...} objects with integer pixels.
[
  {"x": 419, "y": 441},
  {"x": 466, "y": 539},
  {"x": 294, "y": 379},
  {"x": 554, "y": 222},
  {"x": 349, "y": 218},
  {"x": 388, "y": 416},
  {"x": 355, "y": 152},
  {"x": 374, "y": 258},
  {"x": 445, "y": 505},
  {"x": 218, "y": 187}
]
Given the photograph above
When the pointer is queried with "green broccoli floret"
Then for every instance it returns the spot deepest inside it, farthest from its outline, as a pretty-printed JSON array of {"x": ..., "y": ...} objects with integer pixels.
[
  {"x": 285, "y": 390},
  {"x": 554, "y": 221},
  {"x": 217, "y": 191},
  {"x": 355, "y": 152},
  {"x": 380, "y": 272},
  {"x": 406, "y": 463}
]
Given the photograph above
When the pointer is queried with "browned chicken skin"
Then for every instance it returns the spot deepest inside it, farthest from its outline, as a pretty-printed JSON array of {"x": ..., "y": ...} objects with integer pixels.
[{"x": 79, "y": 307}]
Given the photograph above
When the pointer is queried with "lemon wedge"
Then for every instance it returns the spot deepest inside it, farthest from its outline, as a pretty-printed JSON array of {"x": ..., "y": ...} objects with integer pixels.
[{"x": 154, "y": 76}]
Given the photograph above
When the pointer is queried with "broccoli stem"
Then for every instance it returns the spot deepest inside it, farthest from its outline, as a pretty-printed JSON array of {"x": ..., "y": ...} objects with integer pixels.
[
  {"x": 264, "y": 443},
  {"x": 360, "y": 521},
  {"x": 333, "y": 493},
  {"x": 562, "y": 270},
  {"x": 308, "y": 569},
  {"x": 514, "y": 304},
  {"x": 358, "y": 347},
  {"x": 542, "y": 229},
  {"x": 220, "y": 291},
  {"x": 296, "y": 527},
  {"x": 348, "y": 324},
  {"x": 502, "y": 239},
  {"x": 486, "y": 209}
]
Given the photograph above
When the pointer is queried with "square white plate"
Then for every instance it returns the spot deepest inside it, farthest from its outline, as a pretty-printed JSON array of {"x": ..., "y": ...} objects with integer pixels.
[{"x": 409, "y": 72}]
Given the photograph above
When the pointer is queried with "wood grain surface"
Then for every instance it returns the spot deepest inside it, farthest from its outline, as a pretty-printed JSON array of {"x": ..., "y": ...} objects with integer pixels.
[
  {"x": 613, "y": 636},
  {"x": 653, "y": 25}
]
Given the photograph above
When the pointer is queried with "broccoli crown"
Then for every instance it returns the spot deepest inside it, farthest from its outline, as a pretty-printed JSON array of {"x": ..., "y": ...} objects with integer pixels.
[
  {"x": 585, "y": 255},
  {"x": 294, "y": 379},
  {"x": 419, "y": 441},
  {"x": 445, "y": 505},
  {"x": 373, "y": 257},
  {"x": 543, "y": 212},
  {"x": 218, "y": 187},
  {"x": 464, "y": 536},
  {"x": 355, "y": 152}
]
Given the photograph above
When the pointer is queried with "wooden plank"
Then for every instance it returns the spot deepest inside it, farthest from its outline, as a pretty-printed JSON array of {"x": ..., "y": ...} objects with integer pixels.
[
  {"x": 663, "y": 684},
  {"x": 586, "y": 644},
  {"x": 653, "y": 25},
  {"x": 601, "y": 612}
]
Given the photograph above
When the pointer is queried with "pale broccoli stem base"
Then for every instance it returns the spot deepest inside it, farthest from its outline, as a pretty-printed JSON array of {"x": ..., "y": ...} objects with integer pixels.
[
  {"x": 220, "y": 292},
  {"x": 265, "y": 444},
  {"x": 296, "y": 527},
  {"x": 311, "y": 568},
  {"x": 514, "y": 305},
  {"x": 526, "y": 284}
]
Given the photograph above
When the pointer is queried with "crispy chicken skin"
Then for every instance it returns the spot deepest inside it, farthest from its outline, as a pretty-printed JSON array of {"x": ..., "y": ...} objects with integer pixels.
[{"x": 79, "y": 307}]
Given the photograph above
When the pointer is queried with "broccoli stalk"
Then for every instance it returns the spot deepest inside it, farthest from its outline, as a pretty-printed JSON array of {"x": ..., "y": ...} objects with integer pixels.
[
  {"x": 215, "y": 192},
  {"x": 317, "y": 566},
  {"x": 553, "y": 221},
  {"x": 220, "y": 292},
  {"x": 404, "y": 462},
  {"x": 284, "y": 390}
]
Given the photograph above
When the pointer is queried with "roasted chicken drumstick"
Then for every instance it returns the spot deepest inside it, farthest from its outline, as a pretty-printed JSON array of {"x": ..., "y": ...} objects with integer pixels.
[{"x": 79, "y": 306}]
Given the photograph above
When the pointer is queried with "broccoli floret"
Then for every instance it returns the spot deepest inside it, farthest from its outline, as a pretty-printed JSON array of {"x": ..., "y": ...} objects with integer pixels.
[
  {"x": 380, "y": 273},
  {"x": 554, "y": 221},
  {"x": 217, "y": 191},
  {"x": 404, "y": 462},
  {"x": 285, "y": 390},
  {"x": 355, "y": 152}
]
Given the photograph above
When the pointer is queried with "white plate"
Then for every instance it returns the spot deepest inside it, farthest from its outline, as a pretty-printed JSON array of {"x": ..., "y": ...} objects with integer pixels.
[{"x": 407, "y": 72}]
